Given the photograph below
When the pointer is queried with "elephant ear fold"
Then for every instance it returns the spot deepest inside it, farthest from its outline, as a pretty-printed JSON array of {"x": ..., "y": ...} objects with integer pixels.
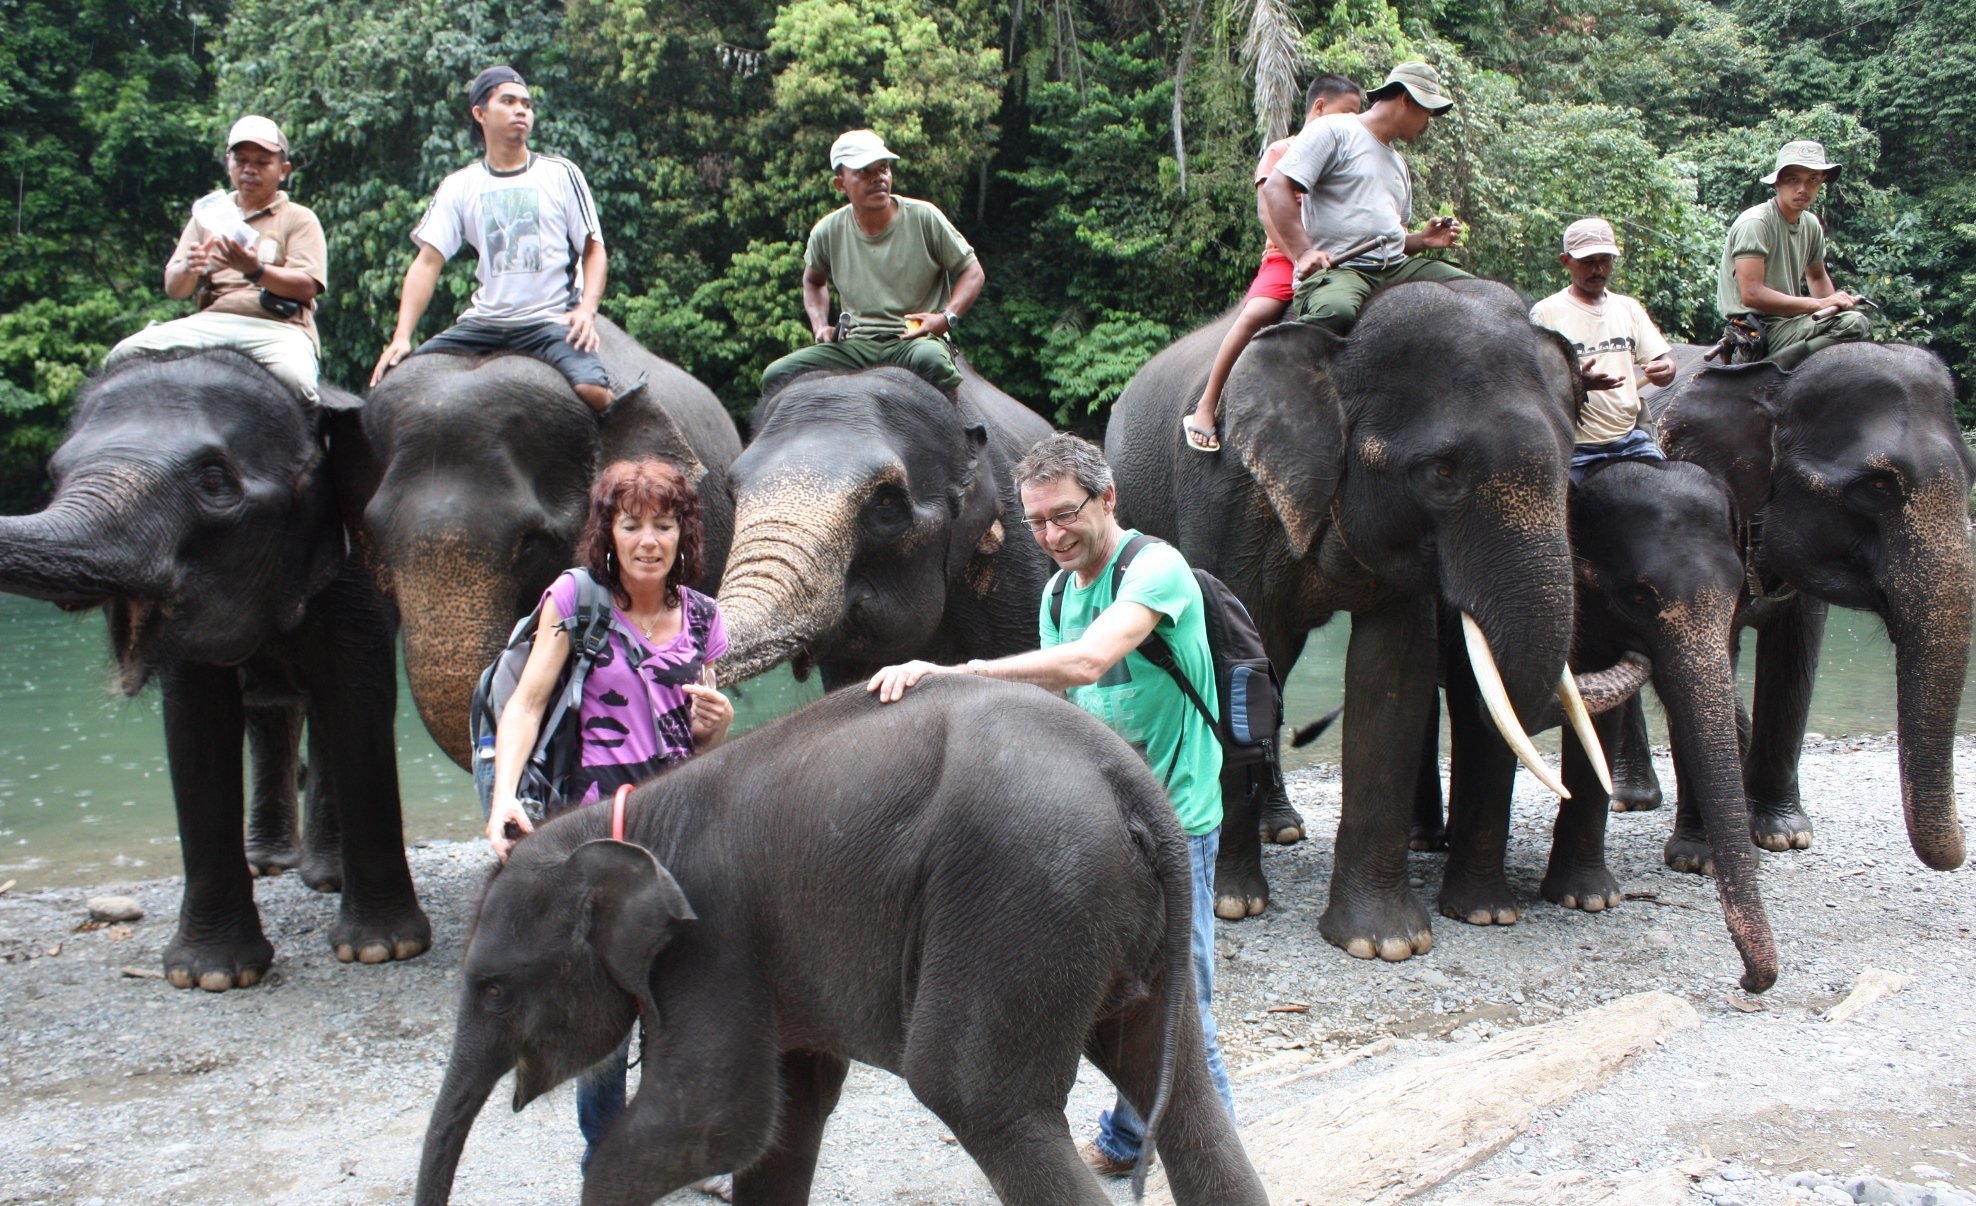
[
  {"x": 1281, "y": 416},
  {"x": 631, "y": 910},
  {"x": 354, "y": 466},
  {"x": 637, "y": 425},
  {"x": 1723, "y": 419},
  {"x": 975, "y": 499}
]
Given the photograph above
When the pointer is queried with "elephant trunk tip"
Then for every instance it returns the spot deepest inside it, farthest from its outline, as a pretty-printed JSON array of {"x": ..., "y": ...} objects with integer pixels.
[{"x": 1941, "y": 855}]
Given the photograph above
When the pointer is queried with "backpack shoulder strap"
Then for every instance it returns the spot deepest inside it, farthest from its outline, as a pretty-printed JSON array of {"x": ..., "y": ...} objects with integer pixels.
[
  {"x": 1154, "y": 648},
  {"x": 1057, "y": 582}
]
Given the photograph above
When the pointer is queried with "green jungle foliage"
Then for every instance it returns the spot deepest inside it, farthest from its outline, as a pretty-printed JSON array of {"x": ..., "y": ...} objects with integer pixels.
[{"x": 1046, "y": 128}]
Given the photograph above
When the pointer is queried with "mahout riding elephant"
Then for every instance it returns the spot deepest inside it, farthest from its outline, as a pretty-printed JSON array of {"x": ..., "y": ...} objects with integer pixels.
[
  {"x": 1851, "y": 484},
  {"x": 1422, "y": 458},
  {"x": 194, "y": 503},
  {"x": 478, "y": 488},
  {"x": 876, "y": 521},
  {"x": 1657, "y": 575},
  {"x": 969, "y": 888}
]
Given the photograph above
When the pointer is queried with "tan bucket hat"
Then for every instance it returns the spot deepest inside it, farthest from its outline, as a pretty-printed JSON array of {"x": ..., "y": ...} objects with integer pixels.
[
  {"x": 1805, "y": 152},
  {"x": 1422, "y": 83}
]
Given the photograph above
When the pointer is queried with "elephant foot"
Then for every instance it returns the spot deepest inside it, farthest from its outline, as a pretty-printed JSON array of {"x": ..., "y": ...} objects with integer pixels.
[
  {"x": 1782, "y": 829},
  {"x": 1482, "y": 900},
  {"x": 323, "y": 872},
  {"x": 1588, "y": 889},
  {"x": 1281, "y": 824},
  {"x": 1391, "y": 926},
  {"x": 377, "y": 937},
  {"x": 1635, "y": 797},
  {"x": 1689, "y": 853},
  {"x": 268, "y": 859},
  {"x": 1239, "y": 894},
  {"x": 1422, "y": 836},
  {"x": 219, "y": 958}
]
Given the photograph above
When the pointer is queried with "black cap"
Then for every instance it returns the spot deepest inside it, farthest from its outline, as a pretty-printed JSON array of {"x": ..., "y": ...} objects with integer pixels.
[{"x": 484, "y": 84}]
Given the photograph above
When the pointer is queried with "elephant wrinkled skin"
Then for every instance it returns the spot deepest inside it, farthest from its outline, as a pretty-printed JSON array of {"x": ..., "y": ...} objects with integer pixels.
[
  {"x": 969, "y": 888},
  {"x": 1421, "y": 459},
  {"x": 194, "y": 503}
]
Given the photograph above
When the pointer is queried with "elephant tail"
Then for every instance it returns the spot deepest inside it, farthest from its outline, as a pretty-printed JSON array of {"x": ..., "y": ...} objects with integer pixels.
[{"x": 1176, "y": 877}]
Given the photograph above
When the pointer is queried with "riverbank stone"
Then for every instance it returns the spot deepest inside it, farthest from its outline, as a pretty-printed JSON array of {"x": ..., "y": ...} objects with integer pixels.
[{"x": 111, "y": 909}]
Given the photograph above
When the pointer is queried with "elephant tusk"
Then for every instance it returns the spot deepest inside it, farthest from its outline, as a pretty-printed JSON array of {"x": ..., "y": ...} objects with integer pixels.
[
  {"x": 1581, "y": 724},
  {"x": 1490, "y": 681}
]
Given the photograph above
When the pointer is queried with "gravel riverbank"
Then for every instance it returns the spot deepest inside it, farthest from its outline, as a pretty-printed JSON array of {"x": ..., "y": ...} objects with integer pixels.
[{"x": 314, "y": 1086}]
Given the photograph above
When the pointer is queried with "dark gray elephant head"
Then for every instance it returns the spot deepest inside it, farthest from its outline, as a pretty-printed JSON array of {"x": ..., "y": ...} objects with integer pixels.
[
  {"x": 875, "y": 520},
  {"x": 1659, "y": 576},
  {"x": 1426, "y": 453},
  {"x": 193, "y": 500},
  {"x": 479, "y": 473},
  {"x": 1853, "y": 472},
  {"x": 558, "y": 965}
]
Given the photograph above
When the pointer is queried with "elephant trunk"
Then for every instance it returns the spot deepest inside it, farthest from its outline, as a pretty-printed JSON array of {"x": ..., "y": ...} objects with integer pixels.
[
  {"x": 1604, "y": 690},
  {"x": 1928, "y": 615},
  {"x": 457, "y": 606},
  {"x": 470, "y": 1078},
  {"x": 1697, "y": 687},
  {"x": 783, "y": 591},
  {"x": 84, "y": 549}
]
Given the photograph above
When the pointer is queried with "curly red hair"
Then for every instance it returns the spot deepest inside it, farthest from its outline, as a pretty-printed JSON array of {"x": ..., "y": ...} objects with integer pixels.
[{"x": 646, "y": 486}]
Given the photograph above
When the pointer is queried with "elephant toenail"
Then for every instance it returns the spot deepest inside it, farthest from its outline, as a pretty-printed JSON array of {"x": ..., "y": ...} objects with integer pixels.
[
  {"x": 216, "y": 981},
  {"x": 1360, "y": 948}
]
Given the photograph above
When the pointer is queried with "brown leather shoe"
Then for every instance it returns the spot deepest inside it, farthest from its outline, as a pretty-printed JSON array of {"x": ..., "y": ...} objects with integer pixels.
[{"x": 1098, "y": 1162}]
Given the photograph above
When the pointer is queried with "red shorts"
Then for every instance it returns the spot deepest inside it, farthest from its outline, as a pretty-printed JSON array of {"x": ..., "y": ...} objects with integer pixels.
[{"x": 1276, "y": 278}]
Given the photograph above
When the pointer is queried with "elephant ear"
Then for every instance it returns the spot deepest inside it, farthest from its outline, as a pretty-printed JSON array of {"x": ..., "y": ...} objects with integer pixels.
[
  {"x": 638, "y": 425},
  {"x": 1723, "y": 419},
  {"x": 631, "y": 910},
  {"x": 975, "y": 527},
  {"x": 1281, "y": 411},
  {"x": 354, "y": 466}
]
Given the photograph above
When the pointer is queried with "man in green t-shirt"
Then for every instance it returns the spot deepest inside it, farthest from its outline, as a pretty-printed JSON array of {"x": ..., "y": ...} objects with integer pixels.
[
  {"x": 903, "y": 275},
  {"x": 1773, "y": 264},
  {"x": 1092, "y": 655}
]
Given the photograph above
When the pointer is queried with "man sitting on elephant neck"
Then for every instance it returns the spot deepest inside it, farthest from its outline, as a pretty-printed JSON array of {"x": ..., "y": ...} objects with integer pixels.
[
  {"x": 903, "y": 275},
  {"x": 274, "y": 251},
  {"x": 1091, "y": 653},
  {"x": 1611, "y": 333},
  {"x": 1347, "y": 233},
  {"x": 534, "y": 225},
  {"x": 1773, "y": 265}
]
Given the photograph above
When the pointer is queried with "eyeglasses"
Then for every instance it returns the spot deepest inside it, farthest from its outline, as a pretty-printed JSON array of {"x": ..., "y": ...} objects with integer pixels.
[{"x": 1062, "y": 519}]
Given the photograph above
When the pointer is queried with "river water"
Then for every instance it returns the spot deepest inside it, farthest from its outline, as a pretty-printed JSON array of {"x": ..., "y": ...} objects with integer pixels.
[{"x": 85, "y": 795}]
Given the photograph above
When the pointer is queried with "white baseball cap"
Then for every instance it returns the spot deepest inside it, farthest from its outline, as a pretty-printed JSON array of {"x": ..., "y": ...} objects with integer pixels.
[
  {"x": 857, "y": 149},
  {"x": 1588, "y": 237},
  {"x": 260, "y": 131}
]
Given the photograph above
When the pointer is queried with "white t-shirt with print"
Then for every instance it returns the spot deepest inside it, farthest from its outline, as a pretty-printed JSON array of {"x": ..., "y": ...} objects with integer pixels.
[
  {"x": 1616, "y": 334},
  {"x": 529, "y": 226},
  {"x": 1355, "y": 188}
]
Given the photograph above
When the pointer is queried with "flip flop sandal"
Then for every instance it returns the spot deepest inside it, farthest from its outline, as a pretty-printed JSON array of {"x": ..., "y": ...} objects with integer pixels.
[{"x": 1204, "y": 442}]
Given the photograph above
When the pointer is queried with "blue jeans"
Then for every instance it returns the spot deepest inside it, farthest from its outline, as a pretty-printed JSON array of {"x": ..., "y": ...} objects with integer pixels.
[
  {"x": 600, "y": 1098},
  {"x": 1635, "y": 445},
  {"x": 1121, "y": 1132}
]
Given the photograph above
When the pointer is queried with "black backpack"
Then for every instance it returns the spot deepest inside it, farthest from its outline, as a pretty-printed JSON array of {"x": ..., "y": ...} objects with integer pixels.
[
  {"x": 1245, "y": 683},
  {"x": 545, "y": 788}
]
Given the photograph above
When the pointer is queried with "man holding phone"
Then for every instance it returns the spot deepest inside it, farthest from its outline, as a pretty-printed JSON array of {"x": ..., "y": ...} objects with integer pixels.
[{"x": 1347, "y": 232}]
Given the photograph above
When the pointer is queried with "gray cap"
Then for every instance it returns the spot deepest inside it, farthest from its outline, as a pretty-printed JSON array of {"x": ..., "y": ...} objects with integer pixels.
[
  {"x": 1805, "y": 152},
  {"x": 1422, "y": 83}
]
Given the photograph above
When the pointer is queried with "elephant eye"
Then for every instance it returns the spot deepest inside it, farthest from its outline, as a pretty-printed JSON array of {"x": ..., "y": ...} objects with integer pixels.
[
  {"x": 217, "y": 484},
  {"x": 494, "y": 998},
  {"x": 1439, "y": 478},
  {"x": 1875, "y": 492},
  {"x": 889, "y": 507}
]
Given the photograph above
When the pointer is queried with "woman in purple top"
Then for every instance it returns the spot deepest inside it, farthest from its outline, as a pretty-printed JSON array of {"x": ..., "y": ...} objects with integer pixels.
[{"x": 649, "y": 699}]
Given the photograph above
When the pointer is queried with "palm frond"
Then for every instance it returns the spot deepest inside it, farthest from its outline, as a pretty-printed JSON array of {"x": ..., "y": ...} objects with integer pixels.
[{"x": 1272, "y": 49}]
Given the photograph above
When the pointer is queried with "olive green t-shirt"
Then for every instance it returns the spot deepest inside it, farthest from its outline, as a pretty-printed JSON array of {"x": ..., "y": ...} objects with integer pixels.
[
  {"x": 1785, "y": 249},
  {"x": 1138, "y": 700},
  {"x": 910, "y": 268}
]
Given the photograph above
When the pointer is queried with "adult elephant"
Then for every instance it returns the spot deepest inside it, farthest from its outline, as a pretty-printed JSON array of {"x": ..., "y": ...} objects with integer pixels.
[
  {"x": 875, "y": 521},
  {"x": 478, "y": 486},
  {"x": 1657, "y": 576},
  {"x": 1422, "y": 458},
  {"x": 194, "y": 504},
  {"x": 1851, "y": 482}
]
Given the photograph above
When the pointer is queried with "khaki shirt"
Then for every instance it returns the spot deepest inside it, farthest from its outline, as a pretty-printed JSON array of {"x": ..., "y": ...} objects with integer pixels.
[
  {"x": 289, "y": 237},
  {"x": 1787, "y": 250},
  {"x": 908, "y": 268}
]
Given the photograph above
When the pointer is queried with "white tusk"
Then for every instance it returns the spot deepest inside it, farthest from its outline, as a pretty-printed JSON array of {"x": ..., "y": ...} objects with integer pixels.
[
  {"x": 1490, "y": 680},
  {"x": 1581, "y": 724}
]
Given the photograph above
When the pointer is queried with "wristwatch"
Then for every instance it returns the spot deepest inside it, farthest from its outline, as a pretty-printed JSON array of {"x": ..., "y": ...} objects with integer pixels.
[
  {"x": 952, "y": 318},
  {"x": 255, "y": 275}
]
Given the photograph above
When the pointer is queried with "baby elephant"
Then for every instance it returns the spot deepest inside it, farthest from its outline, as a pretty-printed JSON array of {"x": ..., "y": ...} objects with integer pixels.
[{"x": 969, "y": 888}]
